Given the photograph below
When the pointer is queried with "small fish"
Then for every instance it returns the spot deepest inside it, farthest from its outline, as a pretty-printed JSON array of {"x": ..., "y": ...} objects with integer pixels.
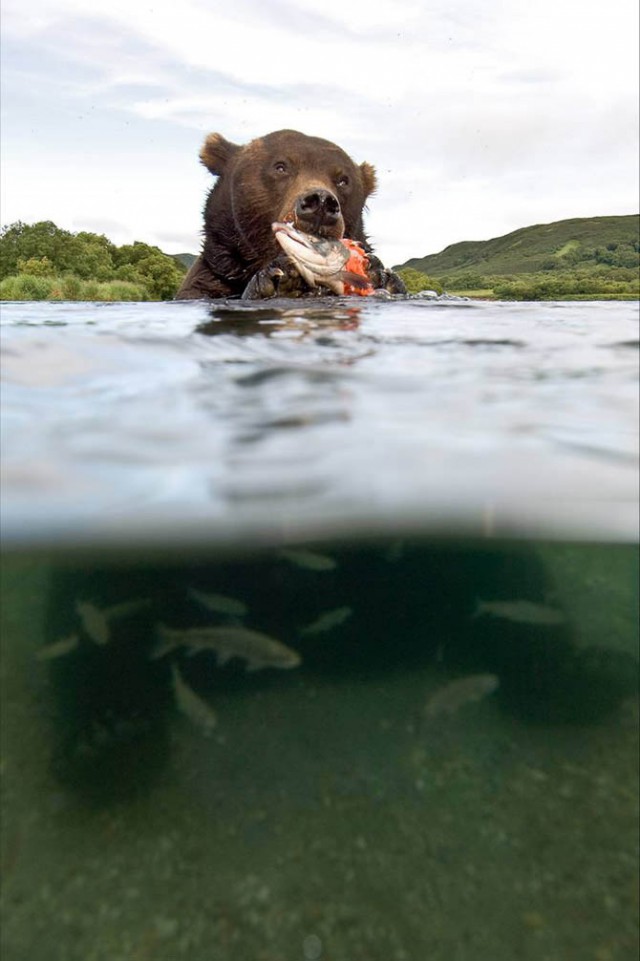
[
  {"x": 191, "y": 704},
  {"x": 94, "y": 622},
  {"x": 125, "y": 608},
  {"x": 328, "y": 620},
  {"x": 219, "y": 603},
  {"x": 309, "y": 560},
  {"x": 257, "y": 649},
  {"x": 58, "y": 648},
  {"x": 522, "y": 612},
  {"x": 465, "y": 690},
  {"x": 319, "y": 260}
]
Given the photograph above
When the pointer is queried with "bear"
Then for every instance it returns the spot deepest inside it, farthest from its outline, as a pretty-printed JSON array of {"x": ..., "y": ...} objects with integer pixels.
[{"x": 285, "y": 176}]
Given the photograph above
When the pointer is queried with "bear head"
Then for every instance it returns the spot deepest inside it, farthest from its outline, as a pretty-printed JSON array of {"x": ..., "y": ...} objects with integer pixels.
[{"x": 283, "y": 176}]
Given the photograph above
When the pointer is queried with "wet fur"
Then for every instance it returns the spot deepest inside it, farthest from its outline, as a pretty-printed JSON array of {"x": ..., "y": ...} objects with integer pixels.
[{"x": 250, "y": 195}]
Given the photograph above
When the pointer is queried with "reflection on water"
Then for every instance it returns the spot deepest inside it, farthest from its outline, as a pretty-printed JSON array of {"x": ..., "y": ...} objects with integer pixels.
[{"x": 369, "y": 750}]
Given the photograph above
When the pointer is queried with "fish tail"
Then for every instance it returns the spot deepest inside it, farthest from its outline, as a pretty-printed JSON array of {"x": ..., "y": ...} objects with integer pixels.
[
  {"x": 479, "y": 609},
  {"x": 354, "y": 280},
  {"x": 166, "y": 642}
]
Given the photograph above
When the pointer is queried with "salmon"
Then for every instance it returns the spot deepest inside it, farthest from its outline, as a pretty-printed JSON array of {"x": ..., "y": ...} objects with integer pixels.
[{"x": 339, "y": 265}]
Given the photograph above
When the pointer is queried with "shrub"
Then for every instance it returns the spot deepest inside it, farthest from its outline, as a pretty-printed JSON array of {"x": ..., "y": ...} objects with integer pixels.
[
  {"x": 36, "y": 266},
  {"x": 28, "y": 287},
  {"x": 121, "y": 290},
  {"x": 71, "y": 287},
  {"x": 90, "y": 290},
  {"x": 415, "y": 281}
]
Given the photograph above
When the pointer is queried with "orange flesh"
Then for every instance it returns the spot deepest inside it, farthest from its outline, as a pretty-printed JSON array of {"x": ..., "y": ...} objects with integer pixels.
[{"x": 356, "y": 264}]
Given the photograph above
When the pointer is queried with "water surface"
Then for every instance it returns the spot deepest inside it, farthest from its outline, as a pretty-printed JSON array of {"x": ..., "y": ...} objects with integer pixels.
[
  {"x": 449, "y": 769},
  {"x": 183, "y": 419}
]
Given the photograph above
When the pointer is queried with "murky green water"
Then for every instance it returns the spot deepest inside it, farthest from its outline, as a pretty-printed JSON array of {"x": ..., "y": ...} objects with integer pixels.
[{"x": 381, "y": 800}]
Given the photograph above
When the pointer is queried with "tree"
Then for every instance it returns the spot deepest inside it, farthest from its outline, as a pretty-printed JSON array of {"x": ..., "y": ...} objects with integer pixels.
[
  {"x": 159, "y": 274},
  {"x": 42, "y": 249},
  {"x": 36, "y": 267},
  {"x": 468, "y": 280},
  {"x": 415, "y": 280},
  {"x": 43, "y": 239}
]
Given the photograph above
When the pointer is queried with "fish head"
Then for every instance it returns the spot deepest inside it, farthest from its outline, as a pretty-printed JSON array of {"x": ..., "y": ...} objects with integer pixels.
[{"x": 317, "y": 258}]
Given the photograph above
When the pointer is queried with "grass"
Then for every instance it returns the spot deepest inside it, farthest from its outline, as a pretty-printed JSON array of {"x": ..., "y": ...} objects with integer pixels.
[{"x": 69, "y": 287}]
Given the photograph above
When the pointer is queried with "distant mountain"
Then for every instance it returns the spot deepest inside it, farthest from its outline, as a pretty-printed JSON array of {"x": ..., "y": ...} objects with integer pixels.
[
  {"x": 566, "y": 244},
  {"x": 186, "y": 260}
]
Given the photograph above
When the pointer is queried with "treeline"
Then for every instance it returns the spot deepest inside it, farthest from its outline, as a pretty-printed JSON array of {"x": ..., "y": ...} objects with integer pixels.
[
  {"x": 43, "y": 262},
  {"x": 604, "y": 283}
]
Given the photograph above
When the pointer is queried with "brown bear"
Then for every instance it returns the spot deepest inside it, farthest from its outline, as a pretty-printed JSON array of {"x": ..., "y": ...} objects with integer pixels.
[{"x": 285, "y": 176}]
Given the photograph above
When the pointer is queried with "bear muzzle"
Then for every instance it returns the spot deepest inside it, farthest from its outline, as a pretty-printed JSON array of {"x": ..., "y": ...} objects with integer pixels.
[{"x": 318, "y": 212}]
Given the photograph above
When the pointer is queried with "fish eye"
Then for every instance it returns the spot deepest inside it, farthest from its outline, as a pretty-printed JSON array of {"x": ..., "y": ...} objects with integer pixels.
[
  {"x": 280, "y": 167},
  {"x": 342, "y": 180}
]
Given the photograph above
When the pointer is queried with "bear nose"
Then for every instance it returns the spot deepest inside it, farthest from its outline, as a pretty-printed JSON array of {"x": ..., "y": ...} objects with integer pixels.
[{"x": 318, "y": 208}]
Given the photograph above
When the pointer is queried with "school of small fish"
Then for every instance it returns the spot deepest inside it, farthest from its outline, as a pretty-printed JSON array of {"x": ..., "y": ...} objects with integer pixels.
[{"x": 259, "y": 651}]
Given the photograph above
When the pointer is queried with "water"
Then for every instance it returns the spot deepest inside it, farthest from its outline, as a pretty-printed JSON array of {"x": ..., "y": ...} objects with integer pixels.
[
  {"x": 436, "y": 778},
  {"x": 147, "y": 422}
]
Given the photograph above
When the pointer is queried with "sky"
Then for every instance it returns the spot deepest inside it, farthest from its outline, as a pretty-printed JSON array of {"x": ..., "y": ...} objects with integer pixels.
[{"x": 480, "y": 118}]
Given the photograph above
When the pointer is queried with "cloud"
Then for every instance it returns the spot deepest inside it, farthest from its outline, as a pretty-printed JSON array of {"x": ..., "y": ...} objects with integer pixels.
[{"x": 479, "y": 118}]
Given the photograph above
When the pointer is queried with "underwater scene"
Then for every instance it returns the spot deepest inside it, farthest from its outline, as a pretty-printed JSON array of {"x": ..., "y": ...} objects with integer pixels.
[{"x": 388, "y": 749}]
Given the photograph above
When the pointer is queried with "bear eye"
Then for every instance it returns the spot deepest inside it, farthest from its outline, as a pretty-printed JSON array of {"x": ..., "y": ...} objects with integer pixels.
[
  {"x": 280, "y": 167},
  {"x": 342, "y": 180}
]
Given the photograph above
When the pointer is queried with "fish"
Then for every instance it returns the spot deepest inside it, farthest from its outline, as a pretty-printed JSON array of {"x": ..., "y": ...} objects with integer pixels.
[
  {"x": 94, "y": 621},
  {"x": 321, "y": 260},
  {"x": 328, "y": 620},
  {"x": 191, "y": 704},
  {"x": 219, "y": 603},
  {"x": 58, "y": 648},
  {"x": 464, "y": 690},
  {"x": 125, "y": 608},
  {"x": 257, "y": 649},
  {"x": 521, "y": 612},
  {"x": 309, "y": 560}
]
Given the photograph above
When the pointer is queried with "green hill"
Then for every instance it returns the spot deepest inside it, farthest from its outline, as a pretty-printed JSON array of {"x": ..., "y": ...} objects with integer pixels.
[
  {"x": 187, "y": 260},
  {"x": 582, "y": 243}
]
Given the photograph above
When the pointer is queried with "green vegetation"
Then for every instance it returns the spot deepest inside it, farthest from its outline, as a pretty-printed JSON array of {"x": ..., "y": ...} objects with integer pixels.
[
  {"x": 69, "y": 287},
  {"x": 186, "y": 260},
  {"x": 43, "y": 262},
  {"x": 416, "y": 281},
  {"x": 588, "y": 258}
]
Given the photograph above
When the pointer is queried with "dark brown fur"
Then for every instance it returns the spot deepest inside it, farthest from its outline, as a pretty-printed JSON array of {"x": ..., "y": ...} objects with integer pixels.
[{"x": 264, "y": 182}]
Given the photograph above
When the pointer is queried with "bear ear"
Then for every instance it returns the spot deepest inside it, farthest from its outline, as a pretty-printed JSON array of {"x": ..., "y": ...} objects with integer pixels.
[
  {"x": 369, "y": 180},
  {"x": 217, "y": 152}
]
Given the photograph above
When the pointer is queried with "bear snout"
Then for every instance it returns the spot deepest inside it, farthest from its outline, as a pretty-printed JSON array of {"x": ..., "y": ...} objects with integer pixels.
[{"x": 317, "y": 209}]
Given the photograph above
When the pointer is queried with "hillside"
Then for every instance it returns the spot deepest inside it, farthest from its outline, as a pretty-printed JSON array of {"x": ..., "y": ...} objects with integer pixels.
[
  {"x": 585, "y": 242},
  {"x": 187, "y": 260}
]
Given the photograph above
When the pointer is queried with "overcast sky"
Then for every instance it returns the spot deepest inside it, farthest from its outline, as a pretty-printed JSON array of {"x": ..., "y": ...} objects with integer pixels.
[{"x": 480, "y": 117}]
